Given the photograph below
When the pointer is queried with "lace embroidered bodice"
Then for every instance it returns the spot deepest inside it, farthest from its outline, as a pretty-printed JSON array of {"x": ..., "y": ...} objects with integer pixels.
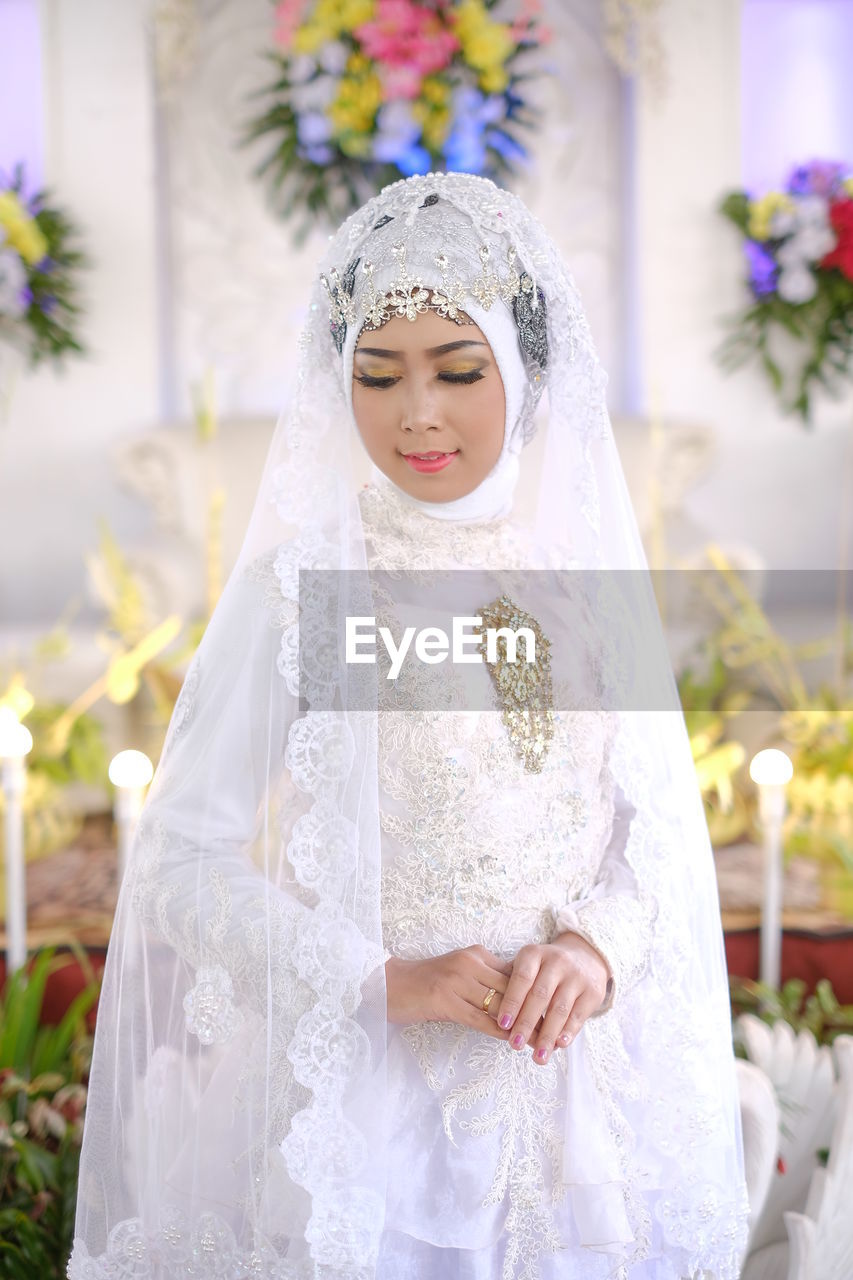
[{"x": 476, "y": 848}]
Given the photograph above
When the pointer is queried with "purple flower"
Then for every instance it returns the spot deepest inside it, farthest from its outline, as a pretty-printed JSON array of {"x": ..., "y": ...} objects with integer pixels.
[
  {"x": 762, "y": 268},
  {"x": 414, "y": 160},
  {"x": 313, "y": 128},
  {"x": 816, "y": 177},
  {"x": 397, "y": 132},
  {"x": 317, "y": 155},
  {"x": 465, "y": 150},
  {"x": 511, "y": 150}
]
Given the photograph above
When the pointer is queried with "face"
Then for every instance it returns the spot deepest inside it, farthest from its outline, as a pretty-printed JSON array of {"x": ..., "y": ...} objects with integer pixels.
[{"x": 429, "y": 404}]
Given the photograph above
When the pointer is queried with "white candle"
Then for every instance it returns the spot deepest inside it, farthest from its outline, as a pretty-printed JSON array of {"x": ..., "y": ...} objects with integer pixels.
[
  {"x": 15, "y": 743},
  {"x": 771, "y": 770},
  {"x": 130, "y": 773}
]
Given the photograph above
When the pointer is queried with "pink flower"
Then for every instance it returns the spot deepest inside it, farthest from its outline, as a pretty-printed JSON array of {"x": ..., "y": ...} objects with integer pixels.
[
  {"x": 401, "y": 82},
  {"x": 288, "y": 15},
  {"x": 523, "y": 28},
  {"x": 411, "y": 41}
]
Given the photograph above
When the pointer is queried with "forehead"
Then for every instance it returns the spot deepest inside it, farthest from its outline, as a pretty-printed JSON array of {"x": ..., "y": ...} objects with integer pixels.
[{"x": 417, "y": 337}]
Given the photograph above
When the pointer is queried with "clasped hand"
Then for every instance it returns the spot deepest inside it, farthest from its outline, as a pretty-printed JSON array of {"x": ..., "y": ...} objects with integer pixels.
[{"x": 543, "y": 997}]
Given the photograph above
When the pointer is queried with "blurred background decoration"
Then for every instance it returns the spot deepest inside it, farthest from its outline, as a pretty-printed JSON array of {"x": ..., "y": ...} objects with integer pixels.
[
  {"x": 365, "y": 92},
  {"x": 146, "y": 651},
  {"x": 40, "y": 261},
  {"x": 798, "y": 243}
]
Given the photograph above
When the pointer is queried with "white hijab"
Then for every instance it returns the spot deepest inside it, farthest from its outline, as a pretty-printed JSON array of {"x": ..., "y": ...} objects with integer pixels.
[{"x": 493, "y": 496}]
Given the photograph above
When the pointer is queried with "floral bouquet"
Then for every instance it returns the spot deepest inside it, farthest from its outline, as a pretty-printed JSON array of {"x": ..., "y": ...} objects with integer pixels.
[
  {"x": 38, "y": 304},
  {"x": 799, "y": 247},
  {"x": 369, "y": 91}
]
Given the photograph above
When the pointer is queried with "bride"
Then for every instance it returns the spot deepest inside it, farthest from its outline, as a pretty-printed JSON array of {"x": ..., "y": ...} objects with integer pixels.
[{"x": 417, "y": 967}]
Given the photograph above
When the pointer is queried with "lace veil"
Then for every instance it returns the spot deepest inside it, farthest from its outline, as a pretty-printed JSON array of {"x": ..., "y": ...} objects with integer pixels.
[{"x": 237, "y": 1094}]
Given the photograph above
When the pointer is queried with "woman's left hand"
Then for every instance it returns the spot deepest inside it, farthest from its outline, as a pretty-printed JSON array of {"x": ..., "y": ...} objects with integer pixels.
[{"x": 563, "y": 982}]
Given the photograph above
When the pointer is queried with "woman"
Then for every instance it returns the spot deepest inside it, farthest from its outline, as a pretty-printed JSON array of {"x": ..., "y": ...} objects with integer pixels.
[{"x": 417, "y": 969}]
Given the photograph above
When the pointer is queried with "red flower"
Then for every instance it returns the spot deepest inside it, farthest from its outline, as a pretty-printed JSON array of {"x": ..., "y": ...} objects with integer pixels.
[
  {"x": 781, "y": 1166},
  {"x": 841, "y": 217}
]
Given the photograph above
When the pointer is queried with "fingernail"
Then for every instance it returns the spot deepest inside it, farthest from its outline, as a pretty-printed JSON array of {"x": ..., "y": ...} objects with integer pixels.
[
  {"x": 562, "y": 1039},
  {"x": 517, "y": 1041},
  {"x": 542, "y": 1054},
  {"x": 505, "y": 1021}
]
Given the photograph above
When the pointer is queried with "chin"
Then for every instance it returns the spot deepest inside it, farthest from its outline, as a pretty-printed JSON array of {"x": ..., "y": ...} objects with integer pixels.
[{"x": 432, "y": 488}]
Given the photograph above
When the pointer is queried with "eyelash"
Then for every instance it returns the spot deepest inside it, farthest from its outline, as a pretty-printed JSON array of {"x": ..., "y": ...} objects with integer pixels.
[{"x": 465, "y": 378}]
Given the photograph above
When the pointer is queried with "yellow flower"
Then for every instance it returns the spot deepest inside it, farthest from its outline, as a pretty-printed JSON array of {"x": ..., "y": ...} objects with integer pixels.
[
  {"x": 432, "y": 112},
  {"x": 354, "y": 108},
  {"x": 355, "y": 12},
  {"x": 847, "y": 184},
  {"x": 495, "y": 80},
  {"x": 761, "y": 212},
  {"x": 22, "y": 231},
  {"x": 436, "y": 127},
  {"x": 435, "y": 91},
  {"x": 486, "y": 44},
  {"x": 311, "y": 37},
  {"x": 355, "y": 144},
  {"x": 330, "y": 19}
]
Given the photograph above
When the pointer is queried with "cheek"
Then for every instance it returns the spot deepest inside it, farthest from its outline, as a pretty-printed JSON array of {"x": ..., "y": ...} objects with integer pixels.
[
  {"x": 373, "y": 415},
  {"x": 480, "y": 418}
]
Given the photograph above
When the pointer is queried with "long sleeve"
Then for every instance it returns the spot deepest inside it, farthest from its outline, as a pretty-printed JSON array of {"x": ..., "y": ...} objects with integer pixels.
[
  {"x": 195, "y": 881},
  {"x": 617, "y": 916}
]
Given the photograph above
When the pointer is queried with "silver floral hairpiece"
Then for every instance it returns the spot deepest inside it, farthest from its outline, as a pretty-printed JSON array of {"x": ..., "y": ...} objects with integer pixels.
[{"x": 407, "y": 296}]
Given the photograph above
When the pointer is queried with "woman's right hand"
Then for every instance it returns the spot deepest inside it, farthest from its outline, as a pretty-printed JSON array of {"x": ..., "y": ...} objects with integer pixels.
[{"x": 448, "y": 988}]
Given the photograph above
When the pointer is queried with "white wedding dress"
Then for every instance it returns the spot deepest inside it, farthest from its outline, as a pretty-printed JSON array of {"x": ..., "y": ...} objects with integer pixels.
[
  {"x": 244, "y": 1074},
  {"x": 501, "y": 1168}
]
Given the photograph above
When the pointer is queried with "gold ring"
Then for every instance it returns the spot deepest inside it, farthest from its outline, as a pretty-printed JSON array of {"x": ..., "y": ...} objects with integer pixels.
[{"x": 487, "y": 999}]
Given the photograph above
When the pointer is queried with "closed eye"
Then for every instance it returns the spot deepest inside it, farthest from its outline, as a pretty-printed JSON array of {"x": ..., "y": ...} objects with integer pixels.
[
  {"x": 366, "y": 380},
  {"x": 474, "y": 375}
]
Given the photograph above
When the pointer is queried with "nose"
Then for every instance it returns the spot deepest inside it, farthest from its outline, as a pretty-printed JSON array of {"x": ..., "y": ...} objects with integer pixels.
[{"x": 420, "y": 411}]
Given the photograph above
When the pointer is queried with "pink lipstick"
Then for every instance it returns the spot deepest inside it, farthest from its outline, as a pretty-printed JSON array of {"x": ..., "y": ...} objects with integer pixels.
[{"x": 429, "y": 461}]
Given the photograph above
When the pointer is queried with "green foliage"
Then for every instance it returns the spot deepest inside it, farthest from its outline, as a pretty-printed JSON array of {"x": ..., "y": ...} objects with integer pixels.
[
  {"x": 42, "y": 1103},
  {"x": 819, "y": 1012},
  {"x": 84, "y": 754}
]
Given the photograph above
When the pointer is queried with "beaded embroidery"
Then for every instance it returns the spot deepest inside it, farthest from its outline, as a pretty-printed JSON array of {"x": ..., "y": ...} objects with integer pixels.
[{"x": 524, "y": 686}]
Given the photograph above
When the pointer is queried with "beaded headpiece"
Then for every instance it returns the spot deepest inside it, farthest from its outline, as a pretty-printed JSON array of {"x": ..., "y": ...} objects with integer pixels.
[{"x": 408, "y": 296}]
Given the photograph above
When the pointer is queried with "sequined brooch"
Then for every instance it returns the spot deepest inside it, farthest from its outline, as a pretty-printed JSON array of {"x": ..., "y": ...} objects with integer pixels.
[{"x": 524, "y": 687}]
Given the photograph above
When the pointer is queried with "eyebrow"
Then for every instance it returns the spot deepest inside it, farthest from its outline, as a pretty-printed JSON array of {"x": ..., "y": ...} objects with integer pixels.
[{"x": 432, "y": 351}]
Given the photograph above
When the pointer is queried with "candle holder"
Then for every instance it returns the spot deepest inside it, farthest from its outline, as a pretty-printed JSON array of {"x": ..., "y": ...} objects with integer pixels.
[
  {"x": 16, "y": 742},
  {"x": 771, "y": 770},
  {"x": 130, "y": 773}
]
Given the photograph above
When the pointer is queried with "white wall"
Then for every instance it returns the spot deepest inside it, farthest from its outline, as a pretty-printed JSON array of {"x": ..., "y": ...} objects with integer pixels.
[{"x": 99, "y": 160}]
